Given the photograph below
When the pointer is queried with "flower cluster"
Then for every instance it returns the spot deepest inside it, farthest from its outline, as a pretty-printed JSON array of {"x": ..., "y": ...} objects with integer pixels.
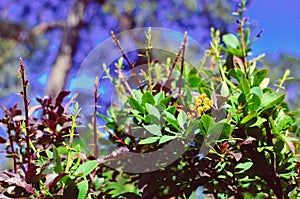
[{"x": 201, "y": 104}]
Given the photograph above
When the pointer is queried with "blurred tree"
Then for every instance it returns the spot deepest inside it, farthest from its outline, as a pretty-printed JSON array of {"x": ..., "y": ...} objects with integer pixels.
[{"x": 59, "y": 34}]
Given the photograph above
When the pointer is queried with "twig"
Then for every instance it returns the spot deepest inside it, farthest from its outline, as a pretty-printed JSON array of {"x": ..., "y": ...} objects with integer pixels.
[
  {"x": 96, "y": 95},
  {"x": 24, "y": 95},
  {"x": 115, "y": 136},
  {"x": 182, "y": 61},
  {"x": 117, "y": 43},
  {"x": 121, "y": 75},
  {"x": 172, "y": 67},
  {"x": 277, "y": 188},
  {"x": 10, "y": 139}
]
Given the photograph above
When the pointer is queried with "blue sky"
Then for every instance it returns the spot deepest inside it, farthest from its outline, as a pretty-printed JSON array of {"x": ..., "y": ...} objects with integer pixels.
[{"x": 280, "y": 20}]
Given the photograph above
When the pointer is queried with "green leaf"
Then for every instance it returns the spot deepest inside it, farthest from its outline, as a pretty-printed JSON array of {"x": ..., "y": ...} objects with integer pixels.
[
  {"x": 83, "y": 189},
  {"x": 259, "y": 76},
  {"x": 153, "y": 129},
  {"x": 271, "y": 99},
  {"x": 244, "y": 84},
  {"x": 259, "y": 122},
  {"x": 219, "y": 129},
  {"x": 58, "y": 166},
  {"x": 243, "y": 166},
  {"x": 166, "y": 138},
  {"x": 237, "y": 52},
  {"x": 148, "y": 98},
  {"x": 224, "y": 89},
  {"x": 257, "y": 91},
  {"x": 182, "y": 118},
  {"x": 254, "y": 102},
  {"x": 159, "y": 97},
  {"x": 152, "y": 110},
  {"x": 173, "y": 122},
  {"x": 98, "y": 182},
  {"x": 194, "y": 80},
  {"x": 171, "y": 109},
  {"x": 249, "y": 117},
  {"x": 149, "y": 140},
  {"x": 207, "y": 121},
  {"x": 86, "y": 168},
  {"x": 166, "y": 101},
  {"x": 135, "y": 105},
  {"x": 231, "y": 41}
]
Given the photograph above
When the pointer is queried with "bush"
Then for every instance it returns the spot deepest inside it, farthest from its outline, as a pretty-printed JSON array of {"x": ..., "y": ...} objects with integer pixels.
[{"x": 174, "y": 133}]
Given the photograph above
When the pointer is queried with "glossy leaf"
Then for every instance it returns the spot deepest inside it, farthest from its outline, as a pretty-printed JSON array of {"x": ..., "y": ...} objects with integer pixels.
[
  {"x": 153, "y": 129},
  {"x": 149, "y": 140},
  {"x": 135, "y": 105},
  {"x": 86, "y": 168}
]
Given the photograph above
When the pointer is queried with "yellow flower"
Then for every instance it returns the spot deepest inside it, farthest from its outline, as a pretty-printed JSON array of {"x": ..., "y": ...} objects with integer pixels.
[
  {"x": 192, "y": 107},
  {"x": 195, "y": 99},
  {"x": 206, "y": 107},
  {"x": 199, "y": 102}
]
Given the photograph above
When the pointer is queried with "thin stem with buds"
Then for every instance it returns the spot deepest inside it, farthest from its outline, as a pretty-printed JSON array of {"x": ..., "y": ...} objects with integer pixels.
[
  {"x": 26, "y": 106},
  {"x": 117, "y": 43},
  {"x": 182, "y": 61}
]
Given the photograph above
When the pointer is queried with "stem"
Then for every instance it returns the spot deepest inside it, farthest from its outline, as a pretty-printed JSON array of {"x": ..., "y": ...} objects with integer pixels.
[
  {"x": 11, "y": 141},
  {"x": 182, "y": 61},
  {"x": 173, "y": 66},
  {"x": 24, "y": 95},
  {"x": 277, "y": 188},
  {"x": 148, "y": 36},
  {"x": 72, "y": 130},
  {"x": 96, "y": 95},
  {"x": 241, "y": 28},
  {"x": 117, "y": 43},
  {"x": 243, "y": 45}
]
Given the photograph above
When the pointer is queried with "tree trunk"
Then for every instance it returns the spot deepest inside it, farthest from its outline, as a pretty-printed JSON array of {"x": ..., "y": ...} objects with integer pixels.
[{"x": 68, "y": 47}]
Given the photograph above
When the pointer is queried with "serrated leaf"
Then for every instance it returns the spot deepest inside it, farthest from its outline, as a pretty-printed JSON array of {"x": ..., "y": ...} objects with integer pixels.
[
  {"x": 149, "y": 140},
  {"x": 153, "y": 129},
  {"x": 135, "y": 105},
  {"x": 166, "y": 138},
  {"x": 86, "y": 168}
]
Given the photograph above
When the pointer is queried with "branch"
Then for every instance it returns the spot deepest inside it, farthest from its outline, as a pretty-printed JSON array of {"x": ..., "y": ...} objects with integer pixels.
[{"x": 44, "y": 27}]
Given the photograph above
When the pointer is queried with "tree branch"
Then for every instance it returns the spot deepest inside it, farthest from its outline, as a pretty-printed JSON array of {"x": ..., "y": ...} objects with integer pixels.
[{"x": 68, "y": 46}]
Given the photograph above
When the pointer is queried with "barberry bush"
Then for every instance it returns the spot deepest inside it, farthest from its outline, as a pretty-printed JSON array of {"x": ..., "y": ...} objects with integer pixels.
[{"x": 219, "y": 127}]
